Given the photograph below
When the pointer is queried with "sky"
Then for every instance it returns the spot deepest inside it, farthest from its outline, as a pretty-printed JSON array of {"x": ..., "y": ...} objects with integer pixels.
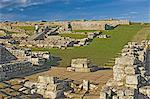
[{"x": 48, "y": 10}]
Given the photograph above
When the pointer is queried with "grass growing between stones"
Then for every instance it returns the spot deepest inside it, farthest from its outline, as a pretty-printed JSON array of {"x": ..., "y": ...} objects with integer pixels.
[
  {"x": 75, "y": 36},
  {"x": 100, "y": 51}
]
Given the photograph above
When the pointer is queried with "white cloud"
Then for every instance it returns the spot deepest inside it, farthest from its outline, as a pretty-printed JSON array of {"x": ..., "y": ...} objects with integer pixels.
[
  {"x": 133, "y": 12},
  {"x": 25, "y": 3},
  {"x": 21, "y": 9}
]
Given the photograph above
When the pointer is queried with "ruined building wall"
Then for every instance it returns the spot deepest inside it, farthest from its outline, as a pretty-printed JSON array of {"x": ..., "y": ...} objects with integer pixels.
[
  {"x": 131, "y": 78},
  {"x": 76, "y": 25}
]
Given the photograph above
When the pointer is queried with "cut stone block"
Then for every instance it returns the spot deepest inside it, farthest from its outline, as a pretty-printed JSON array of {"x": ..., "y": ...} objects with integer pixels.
[
  {"x": 126, "y": 60},
  {"x": 44, "y": 79},
  {"x": 118, "y": 73},
  {"x": 54, "y": 95},
  {"x": 145, "y": 90},
  {"x": 126, "y": 97},
  {"x": 55, "y": 87},
  {"x": 129, "y": 92},
  {"x": 133, "y": 79},
  {"x": 131, "y": 70}
]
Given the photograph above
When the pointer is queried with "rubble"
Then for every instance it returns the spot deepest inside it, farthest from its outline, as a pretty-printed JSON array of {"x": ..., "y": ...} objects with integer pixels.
[
  {"x": 49, "y": 87},
  {"x": 16, "y": 62}
]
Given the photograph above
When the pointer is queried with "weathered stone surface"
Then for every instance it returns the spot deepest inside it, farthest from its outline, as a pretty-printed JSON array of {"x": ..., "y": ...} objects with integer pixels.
[
  {"x": 55, "y": 87},
  {"x": 41, "y": 85},
  {"x": 129, "y": 91},
  {"x": 103, "y": 95},
  {"x": 126, "y": 60},
  {"x": 82, "y": 65},
  {"x": 145, "y": 90},
  {"x": 118, "y": 72},
  {"x": 54, "y": 95},
  {"x": 41, "y": 91},
  {"x": 86, "y": 85},
  {"x": 133, "y": 79},
  {"x": 44, "y": 79},
  {"x": 126, "y": 97},
  {"x": 129, "y": 70}
]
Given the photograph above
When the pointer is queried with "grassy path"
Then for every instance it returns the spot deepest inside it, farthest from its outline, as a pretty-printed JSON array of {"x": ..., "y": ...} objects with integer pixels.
[{"x": 100, "y": 51}]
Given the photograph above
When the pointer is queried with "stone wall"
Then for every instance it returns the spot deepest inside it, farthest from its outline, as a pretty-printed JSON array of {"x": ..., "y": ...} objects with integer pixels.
[
  {"x": 130, "y": 74},
  {"x": 76, "y": 25},
  {"x": 13, "y": 69}
]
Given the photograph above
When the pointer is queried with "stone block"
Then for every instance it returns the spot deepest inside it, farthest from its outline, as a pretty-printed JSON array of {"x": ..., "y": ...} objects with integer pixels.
[
  {"x": 115, "y": 97},
  {"x": 41, "y": 85},
  {"x": 46, "y": 79},
  {"x": 54, "y": 95},
  {"x": 126, "y": 60},
  {"x": 132, "y": 86},
  {"x": 41, "y": 91},
  {"x": 55, "y": 87},
  {"x": 86, "y": 85},
  {"x": 70, "y": 69},
  {"x": 131, "y": 69},
  {"x": 133, "y": 79},
  {"x": 120, "y": 93},
  {"x": 103, "y": 95},
  {"x": 129, "y": 91},
  {"x": 126, "y": 97},
  {"x": 118, "y": 73},
  {"x": 145, "y": 90}
]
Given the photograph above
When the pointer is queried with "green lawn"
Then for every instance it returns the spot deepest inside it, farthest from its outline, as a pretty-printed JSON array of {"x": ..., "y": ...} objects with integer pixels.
[
  {"x": 100, "y": 51},
  {"x": 75, "y": 36},
  {"x": 85, "y": 30},
  {"x": 29, "y": 28}
]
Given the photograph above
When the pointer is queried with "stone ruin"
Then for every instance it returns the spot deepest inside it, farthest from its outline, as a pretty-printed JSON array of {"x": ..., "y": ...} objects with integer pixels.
[
  {"x": 48, "y": 87},
  {"x": 82, "y": 65},
  {"x": 36, "y": 58},
  {"x": 104, "y": 36},
  {"x": 15, "y": 62},
  {"x": 131, "y": 74}
]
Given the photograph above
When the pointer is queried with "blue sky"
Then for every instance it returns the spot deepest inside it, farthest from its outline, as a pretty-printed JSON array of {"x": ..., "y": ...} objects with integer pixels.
[{"x": 36, "y": 10}]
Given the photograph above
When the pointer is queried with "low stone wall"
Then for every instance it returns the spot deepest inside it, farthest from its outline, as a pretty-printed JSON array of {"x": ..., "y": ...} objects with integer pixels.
[
  {"x": 130, "y": 74},
  {"x": 13, "y": 69}
]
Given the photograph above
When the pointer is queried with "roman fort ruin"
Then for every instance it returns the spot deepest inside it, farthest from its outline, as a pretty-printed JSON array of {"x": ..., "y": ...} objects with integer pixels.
[{"x": 31, "y": 66}]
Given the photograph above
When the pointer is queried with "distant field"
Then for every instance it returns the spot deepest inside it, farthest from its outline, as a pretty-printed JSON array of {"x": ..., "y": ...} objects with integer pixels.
[
  {"x": 27, "y": 28},
  {"x": 143, "y": 34},
  {"x": 100, "y": 51},
  {"x": 75, "y": 36}
]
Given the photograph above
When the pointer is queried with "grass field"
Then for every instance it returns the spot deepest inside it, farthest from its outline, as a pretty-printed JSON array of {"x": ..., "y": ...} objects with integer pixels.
[
  {"x": 143, "y": 34},
  {"x": 27, "y": 28},
  {"x": 85, "y": 30},
  {"x": 100, "y": 51},
  {"x": 75, "y": 36}
]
